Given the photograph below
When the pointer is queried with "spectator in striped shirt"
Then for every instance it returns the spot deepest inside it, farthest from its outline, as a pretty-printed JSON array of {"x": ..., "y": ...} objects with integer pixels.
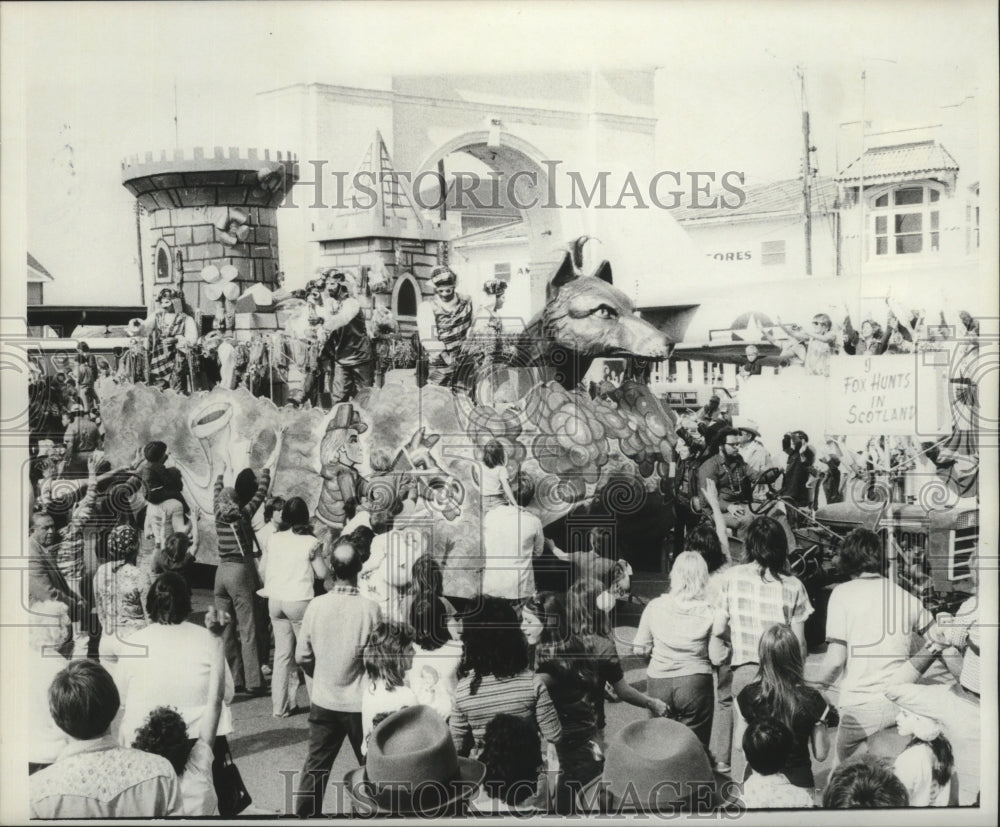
[
  {"x": 496, "y": 678},
  {"x": 444, "y": 323},
  {"x": 236, "y": 578}
]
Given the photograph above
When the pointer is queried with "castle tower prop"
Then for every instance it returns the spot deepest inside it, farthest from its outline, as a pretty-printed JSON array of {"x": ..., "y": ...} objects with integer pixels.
[{"x": 217, "y": 209}]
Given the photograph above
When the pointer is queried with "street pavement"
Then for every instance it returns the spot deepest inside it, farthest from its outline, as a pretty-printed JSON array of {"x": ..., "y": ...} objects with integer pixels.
[{"x": 270, "y": 751}]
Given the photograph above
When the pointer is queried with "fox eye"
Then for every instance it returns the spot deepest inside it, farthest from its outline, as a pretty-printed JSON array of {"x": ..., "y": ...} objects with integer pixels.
[{"x": 605, "y": 312}]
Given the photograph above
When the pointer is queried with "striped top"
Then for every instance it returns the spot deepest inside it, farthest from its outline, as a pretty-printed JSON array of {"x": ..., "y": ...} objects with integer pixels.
[
  {"x": 235, "y": 537},
  {"x": 453, "y": 325},
  {"x": 523, "y": 696}
]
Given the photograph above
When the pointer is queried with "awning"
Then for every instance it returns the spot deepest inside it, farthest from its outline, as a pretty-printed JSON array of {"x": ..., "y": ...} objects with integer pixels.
[{"x": 901, "y": 163}]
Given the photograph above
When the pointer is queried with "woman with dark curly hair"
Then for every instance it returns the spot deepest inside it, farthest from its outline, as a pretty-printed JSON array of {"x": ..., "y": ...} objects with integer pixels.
[
  {"x": 496, "y": 678},
  {"x": 175, "y": 665},
  {"x": 165, "y": 733},
  {"x": 437, "y": 654},
  {"x": 386, "y": 656},
  {"x": 427, "y": 585},
  {"x": 515, "y": 780},
  {"x": 120, "y": 588}
]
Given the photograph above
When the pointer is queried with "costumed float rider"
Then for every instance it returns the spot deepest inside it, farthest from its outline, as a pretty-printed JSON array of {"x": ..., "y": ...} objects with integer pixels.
[
  {"x": 348, "y": 345},
  {"x": 443, "y": 323},
  {"x": 314, "y": 362},
  {"x": 170, "y": 335},
  {"x": 340, "y": 453}
]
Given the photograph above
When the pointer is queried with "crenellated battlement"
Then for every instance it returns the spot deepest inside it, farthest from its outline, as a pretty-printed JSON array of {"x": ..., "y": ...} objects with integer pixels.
[
  {"x": 211, "y": 208},
  {"x": 200, "y": 157}
]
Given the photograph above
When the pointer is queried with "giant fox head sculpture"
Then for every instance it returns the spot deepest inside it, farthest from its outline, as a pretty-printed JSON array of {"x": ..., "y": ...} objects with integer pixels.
[{"x": 586, "y": 316}]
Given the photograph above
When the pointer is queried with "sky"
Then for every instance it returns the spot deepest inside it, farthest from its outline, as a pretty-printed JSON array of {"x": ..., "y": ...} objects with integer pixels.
[{"x": 99, "y": 81}]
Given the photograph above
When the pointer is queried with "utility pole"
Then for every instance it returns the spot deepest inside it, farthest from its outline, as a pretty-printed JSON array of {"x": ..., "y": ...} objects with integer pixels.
[
  {"x": 138, "y": 244},
  {"x": 177, "y": 139},
  {"x": 806, "y": 171}
]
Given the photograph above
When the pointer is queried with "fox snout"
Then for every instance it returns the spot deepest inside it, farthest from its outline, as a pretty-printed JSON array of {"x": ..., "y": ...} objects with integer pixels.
[{"x": 640, "y": 338}]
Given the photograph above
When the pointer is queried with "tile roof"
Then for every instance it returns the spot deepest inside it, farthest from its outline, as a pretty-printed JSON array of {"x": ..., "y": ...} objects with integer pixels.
[
  {"x": 511, "y": 231},
  {"x": 901, "y": 161},
  {"x": 763, "y": 199}
]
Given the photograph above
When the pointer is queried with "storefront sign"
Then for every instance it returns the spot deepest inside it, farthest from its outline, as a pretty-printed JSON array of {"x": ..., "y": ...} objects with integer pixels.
[{"x": 738, "y": 255}]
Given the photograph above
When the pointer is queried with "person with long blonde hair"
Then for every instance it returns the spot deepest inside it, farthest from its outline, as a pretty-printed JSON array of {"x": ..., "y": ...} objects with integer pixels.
[
  {"x": 674, "y": 632},
  {"x": 780, "y": 692}
]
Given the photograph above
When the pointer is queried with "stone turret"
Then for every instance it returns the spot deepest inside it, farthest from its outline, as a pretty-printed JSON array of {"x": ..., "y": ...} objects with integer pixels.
[{"x": 205, "y": 209}]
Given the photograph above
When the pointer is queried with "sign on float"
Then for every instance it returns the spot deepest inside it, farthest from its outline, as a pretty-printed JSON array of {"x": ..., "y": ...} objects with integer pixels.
[{"x": 889, "y": 394}]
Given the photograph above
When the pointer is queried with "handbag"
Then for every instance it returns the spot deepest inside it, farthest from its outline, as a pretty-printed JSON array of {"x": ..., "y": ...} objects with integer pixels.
[{"x": 229, "y": 787}]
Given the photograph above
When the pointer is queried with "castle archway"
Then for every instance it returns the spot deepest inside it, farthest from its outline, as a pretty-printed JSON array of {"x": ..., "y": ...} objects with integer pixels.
[{"x": 525, "y": 181}]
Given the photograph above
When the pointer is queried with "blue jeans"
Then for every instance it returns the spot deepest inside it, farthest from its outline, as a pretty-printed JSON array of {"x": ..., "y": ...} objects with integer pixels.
[
  {"x": 690, "y": 699},
  {"x": 235, "y": 593},
  {"x": 723, "y": 724}
]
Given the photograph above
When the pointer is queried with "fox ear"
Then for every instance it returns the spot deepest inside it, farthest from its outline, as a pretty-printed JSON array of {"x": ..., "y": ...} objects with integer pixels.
[
  {"x": 564, "y": 274},
  {"x": 603, "y": 271}
]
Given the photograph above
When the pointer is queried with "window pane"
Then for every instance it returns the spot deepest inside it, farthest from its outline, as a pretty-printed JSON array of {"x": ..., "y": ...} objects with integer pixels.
[
  {"x": 906, "y": 244},
  {"x": 935, "y": 245},
  {"x": 881, "y": 224},
  {"x": 911, "y": 195},
  {"x": 935, "y": 195},
  {"x": 882, "y": 200},
  {"x": 909, "y": 222},
  {"x": 881, "y": 246},
  {"x": 934, "y": 220}
]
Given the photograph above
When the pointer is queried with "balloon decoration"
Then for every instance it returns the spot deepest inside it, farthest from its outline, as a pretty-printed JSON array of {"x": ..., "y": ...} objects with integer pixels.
[{"x": 221, "y": 287}]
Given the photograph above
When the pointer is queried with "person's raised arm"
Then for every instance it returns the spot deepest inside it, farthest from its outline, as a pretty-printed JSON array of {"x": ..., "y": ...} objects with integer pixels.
[
  {"x": 215, "y": 623},
  {"x": 795, "y": 334},
  {"x": 258, "y": 498},
  {"x": 505, "y": 485},
  {"x": 711, "y": 494}
]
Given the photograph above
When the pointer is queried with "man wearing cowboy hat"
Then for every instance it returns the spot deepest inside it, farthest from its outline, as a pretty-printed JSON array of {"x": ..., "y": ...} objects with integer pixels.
[
  {"x": 754, "y": 454},
  {"x": 171, "y": 334},
  {"x": 443, "y": 323},
  {"x": 413, "y": 769},
  {"x": 340, "y": 454}
]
